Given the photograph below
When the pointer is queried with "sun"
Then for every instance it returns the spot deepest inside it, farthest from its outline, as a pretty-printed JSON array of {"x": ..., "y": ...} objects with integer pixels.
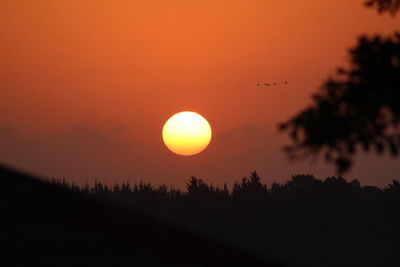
[{"x": 186, "y": 133}]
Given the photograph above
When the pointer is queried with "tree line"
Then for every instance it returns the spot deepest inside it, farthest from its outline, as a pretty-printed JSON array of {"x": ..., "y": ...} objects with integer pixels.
[
  {"x": 307, "y": 218},
  {"x": 247, "y": 189}
]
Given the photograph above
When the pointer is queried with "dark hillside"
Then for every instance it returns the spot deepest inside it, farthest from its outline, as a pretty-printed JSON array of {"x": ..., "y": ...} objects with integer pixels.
[{"x": 44, "y": 225}]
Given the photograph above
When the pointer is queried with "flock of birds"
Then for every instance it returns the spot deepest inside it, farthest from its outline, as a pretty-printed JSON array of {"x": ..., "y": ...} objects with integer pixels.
[{"x": 270, "y": 84}]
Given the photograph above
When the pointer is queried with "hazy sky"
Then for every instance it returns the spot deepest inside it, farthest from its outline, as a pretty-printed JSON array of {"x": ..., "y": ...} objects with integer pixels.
[{"x": 86, "y": 86}]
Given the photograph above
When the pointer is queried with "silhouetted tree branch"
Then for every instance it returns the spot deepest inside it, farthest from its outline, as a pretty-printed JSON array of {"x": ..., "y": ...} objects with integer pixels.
[
  {"x": 359, "y": 107},
  {"x": 356, "y": 108},
  {"x": 391, "y": 6}
]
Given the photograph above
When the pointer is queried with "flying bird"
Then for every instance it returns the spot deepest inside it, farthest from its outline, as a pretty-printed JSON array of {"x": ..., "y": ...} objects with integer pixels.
[{"x": 271, "y": 84}]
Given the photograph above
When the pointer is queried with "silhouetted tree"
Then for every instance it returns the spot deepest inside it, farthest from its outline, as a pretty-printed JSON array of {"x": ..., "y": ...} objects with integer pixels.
[
  {"x": 251, "y": 186},
  {"x": 393, "y": 190},
  {"x": 357, "y": 108}
]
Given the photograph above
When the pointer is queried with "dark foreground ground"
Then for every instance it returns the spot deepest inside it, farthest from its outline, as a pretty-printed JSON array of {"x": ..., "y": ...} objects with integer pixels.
[
  {"x": 302, "y": 222},
  {"x": 45, "y": 225}
]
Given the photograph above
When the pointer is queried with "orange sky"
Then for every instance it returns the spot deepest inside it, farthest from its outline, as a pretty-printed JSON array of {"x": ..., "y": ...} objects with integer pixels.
[{"x": 85, "y": 86}]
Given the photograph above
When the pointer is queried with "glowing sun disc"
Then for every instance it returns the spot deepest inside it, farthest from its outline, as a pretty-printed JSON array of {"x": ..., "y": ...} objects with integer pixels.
[{"x": 186, "y": 133}]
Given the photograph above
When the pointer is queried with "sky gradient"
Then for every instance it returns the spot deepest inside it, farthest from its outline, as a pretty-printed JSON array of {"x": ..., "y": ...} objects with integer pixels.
[{"x": 86, "y": 86}]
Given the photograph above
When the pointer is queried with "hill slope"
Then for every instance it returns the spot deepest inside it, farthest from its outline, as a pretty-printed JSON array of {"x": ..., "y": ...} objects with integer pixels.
[{"x": 43, "y": 225}]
